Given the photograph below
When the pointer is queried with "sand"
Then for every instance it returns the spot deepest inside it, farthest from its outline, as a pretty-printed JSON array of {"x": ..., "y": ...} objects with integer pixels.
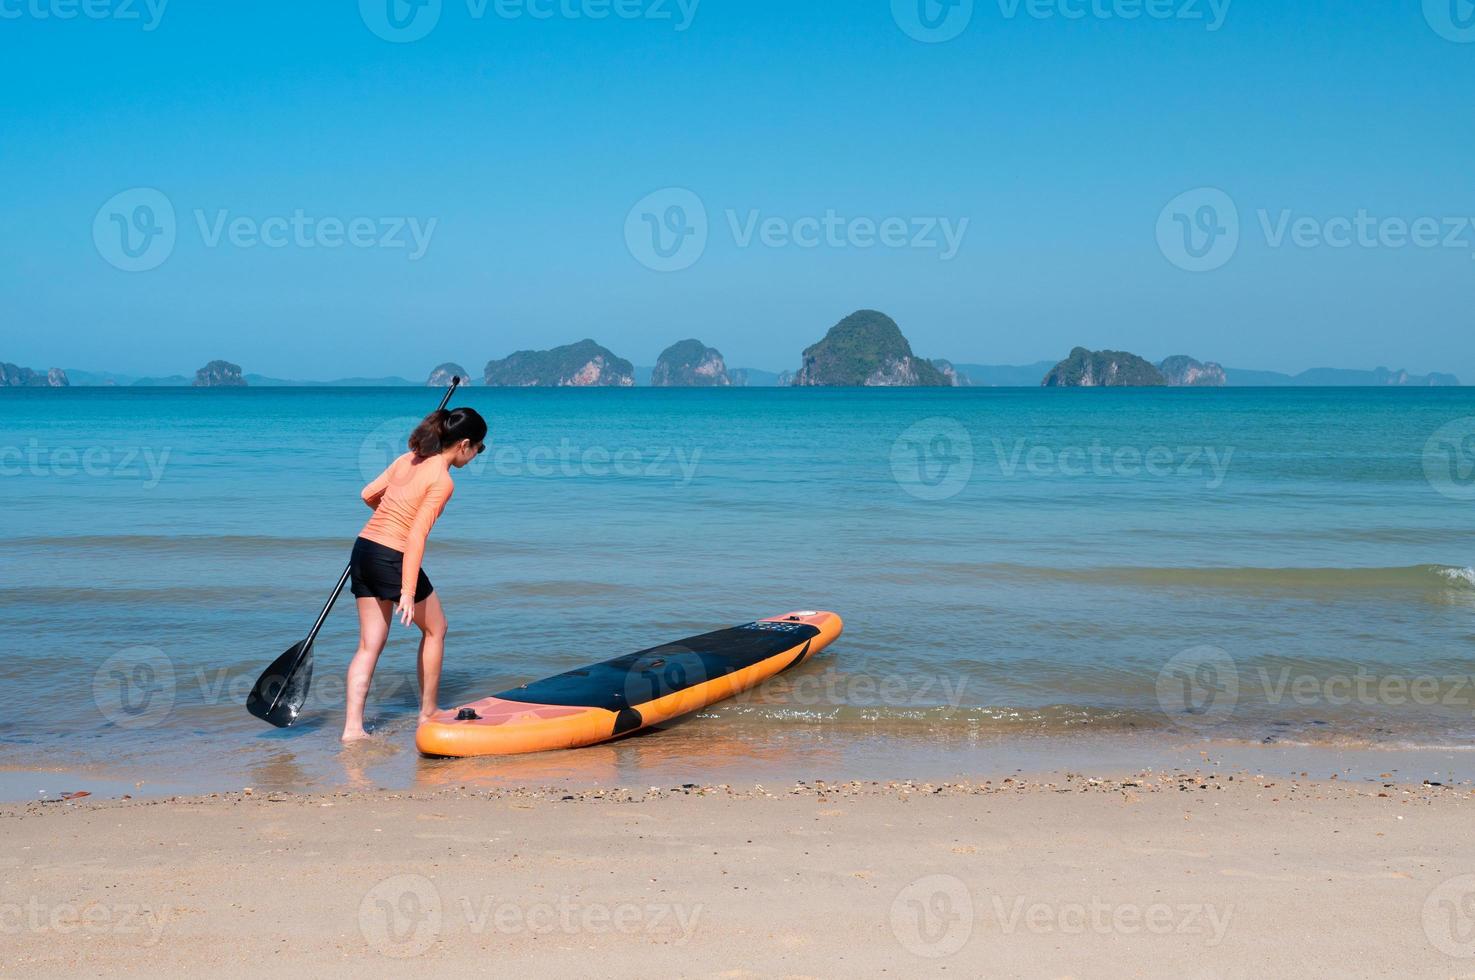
[{"x": 1172, "y": 875}]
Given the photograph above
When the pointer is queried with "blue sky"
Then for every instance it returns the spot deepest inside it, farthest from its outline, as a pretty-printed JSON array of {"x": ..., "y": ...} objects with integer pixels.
[{"x": 521, "y": 140}]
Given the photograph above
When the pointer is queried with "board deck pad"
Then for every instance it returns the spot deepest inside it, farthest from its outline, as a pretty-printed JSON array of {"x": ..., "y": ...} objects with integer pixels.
[{"x": 614, "y": 697}]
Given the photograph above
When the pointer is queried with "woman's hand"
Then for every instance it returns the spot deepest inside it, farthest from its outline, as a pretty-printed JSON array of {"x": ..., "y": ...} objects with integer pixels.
[{"x": 406, "y": 609}]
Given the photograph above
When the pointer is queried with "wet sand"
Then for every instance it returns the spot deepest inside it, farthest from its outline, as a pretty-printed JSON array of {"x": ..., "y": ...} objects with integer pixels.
[{"x": 1184, "y": 873}]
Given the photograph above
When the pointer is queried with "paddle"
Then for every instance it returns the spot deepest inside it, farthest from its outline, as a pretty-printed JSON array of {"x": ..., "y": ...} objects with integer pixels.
[{"x": 281, "y": 690}]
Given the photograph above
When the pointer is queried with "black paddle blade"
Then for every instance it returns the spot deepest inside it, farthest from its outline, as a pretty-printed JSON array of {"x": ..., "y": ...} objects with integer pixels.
[{"x": 281, "y": 690}]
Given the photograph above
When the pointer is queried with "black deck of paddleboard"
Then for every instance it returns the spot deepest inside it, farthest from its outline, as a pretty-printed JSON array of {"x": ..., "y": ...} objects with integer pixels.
[{"x": 636, "y": 678}]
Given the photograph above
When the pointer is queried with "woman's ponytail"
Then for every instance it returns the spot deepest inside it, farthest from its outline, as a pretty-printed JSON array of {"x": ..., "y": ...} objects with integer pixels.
[
  {"x": 429, "y": 436},
  {"x": 440, "y": 430}
]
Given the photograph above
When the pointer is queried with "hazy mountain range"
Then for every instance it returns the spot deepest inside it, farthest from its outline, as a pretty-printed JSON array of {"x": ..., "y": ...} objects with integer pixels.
[{"x": 979, "y": 375}]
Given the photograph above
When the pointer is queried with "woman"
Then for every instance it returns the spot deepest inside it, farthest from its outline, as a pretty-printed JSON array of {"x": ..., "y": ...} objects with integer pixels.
[{"x": 386, "y": 574}]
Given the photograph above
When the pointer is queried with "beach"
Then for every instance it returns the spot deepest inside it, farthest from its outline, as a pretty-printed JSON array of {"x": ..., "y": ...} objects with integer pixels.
[{"x": 1194, "y": 872}]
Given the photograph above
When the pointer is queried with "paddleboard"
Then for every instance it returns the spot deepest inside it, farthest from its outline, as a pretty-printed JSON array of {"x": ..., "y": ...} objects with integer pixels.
[{"x": 606, "y": 700}]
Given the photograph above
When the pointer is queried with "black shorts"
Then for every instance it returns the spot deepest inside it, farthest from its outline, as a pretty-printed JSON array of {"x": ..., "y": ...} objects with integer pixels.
[{"x": 376, "y": 572}]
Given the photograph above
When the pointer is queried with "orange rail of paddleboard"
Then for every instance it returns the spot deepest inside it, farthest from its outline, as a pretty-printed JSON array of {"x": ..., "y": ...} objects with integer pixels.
[{"x": 616, "y": 697}]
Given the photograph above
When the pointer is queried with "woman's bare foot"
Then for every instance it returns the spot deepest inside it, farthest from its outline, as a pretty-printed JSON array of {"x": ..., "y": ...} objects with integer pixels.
[
  {"x": 426, "y": 719},
  {"x": 357, "y": 735}
]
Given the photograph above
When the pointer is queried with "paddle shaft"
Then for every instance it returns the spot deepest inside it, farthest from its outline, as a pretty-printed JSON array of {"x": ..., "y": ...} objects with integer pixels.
[{"x": 312, "y": 634}]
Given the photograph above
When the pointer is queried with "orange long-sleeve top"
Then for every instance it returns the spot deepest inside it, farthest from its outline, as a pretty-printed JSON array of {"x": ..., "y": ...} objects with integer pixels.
[{"x": 407, "y": 498}]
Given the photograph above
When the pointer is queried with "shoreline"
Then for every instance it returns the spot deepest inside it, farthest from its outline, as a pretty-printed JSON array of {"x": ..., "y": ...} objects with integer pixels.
[
  {"x": 1150, "y": 873},
  {"x": 683, "y": 753}
]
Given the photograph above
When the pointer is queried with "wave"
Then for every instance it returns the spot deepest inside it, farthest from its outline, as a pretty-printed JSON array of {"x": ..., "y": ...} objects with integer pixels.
[
  {"x": 217, "y": 545},
  {"x": 1411, "y": 578},
  {"x": 945, "y": 720}
]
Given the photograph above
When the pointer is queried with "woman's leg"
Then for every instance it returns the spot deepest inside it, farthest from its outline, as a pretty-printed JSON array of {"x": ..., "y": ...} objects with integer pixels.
[
  {"x": 373, "y": 631},
  {"x": 431, "y": 619}
]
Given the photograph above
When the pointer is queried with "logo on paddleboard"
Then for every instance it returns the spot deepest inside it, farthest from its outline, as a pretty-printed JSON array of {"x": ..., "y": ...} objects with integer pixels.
[
  {"x": 933, "y": 459},
  {"x": 933, "y": 916},
  {"x": 1449, "y": 460},
  {"x": 1199, "y": 687},
  {"x": 135, "y": 688},
  {"x": 401, "y": 916}
]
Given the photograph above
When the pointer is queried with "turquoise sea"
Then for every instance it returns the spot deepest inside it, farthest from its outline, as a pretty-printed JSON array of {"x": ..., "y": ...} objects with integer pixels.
[{"x": 1253, "y": 566}]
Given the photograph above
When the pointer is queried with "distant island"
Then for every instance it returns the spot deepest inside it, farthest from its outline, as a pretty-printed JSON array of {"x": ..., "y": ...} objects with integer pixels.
[
  {"x": 866, "y": 348},
  {"x": 1103, "y": 368},
  {"x": 12, "y": 376},
  {"x": 580, "y": 365},
  {"x": 690, "y": 364},
  {"x": 954, "y": 377},
  {"x": 442, "y": 376},
  {"x": 219, "y": 374},
  {"x": 1182, "y": 371}
]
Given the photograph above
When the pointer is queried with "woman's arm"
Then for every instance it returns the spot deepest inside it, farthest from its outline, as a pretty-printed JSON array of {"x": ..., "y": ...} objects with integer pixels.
[
  {"x": 436, "y": 498},
  {"x": 374, "y": 492}
]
